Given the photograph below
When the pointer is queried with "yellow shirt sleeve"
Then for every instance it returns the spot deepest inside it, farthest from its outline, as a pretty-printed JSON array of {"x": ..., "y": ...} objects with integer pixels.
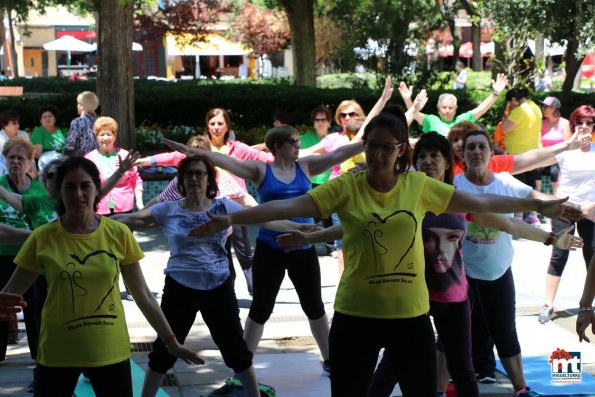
[{"x": 27, "y": 256}]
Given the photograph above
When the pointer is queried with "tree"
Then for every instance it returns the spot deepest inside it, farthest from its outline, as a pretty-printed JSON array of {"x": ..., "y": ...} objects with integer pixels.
[{"x": 264, "y": 30}]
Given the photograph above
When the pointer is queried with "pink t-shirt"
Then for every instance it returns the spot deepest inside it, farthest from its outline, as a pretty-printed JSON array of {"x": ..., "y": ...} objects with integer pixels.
[
  {"x": 333, "y": 142},
  {"x": 554, "y": 135}
]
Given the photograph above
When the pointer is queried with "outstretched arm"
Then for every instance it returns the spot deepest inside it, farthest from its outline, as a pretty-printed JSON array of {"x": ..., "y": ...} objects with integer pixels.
[
  {"x": 146, "y": 302},
  {"x": 387, "y": 93},
  {"x": 497, "y": 87},
  {"x": 517, "y": 227},
  {"x": 13, "y": 199},
  {"x": 546, "y": 156},
  {"x": 12, "y": 235},
  {"x": 245, "y": 169},
  {"x": 295, "y": 239},
  {"x": 586, "y": 316},
  {"x": 20, "y": 281},
  {"x": 298, "y": 207},
  {"x": 319, "y": 164},
  {"x": 138, "y": 219}
]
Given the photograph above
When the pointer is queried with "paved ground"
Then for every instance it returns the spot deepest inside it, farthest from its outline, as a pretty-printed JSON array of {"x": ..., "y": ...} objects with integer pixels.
[{"x": 287, "y": 357}]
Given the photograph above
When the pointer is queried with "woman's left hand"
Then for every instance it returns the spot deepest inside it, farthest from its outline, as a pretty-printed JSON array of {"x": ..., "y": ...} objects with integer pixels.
[
  {"x": 128, "y": 162},
  {"x": 566, "y": 241},
  {"x": 292, "y": 239},
  {"x": 179, "y": 351},
  {"x": 560, "y": 209},
  {"x": 500, "y": 84},
  {"x": 583, "y": 321},
  {"x": 212, "y": 226}
]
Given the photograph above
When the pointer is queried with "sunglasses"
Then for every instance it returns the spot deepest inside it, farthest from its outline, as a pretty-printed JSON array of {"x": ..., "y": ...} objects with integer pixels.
[
  {"x": 198, "y": 173},
  {"x": 386, "y": 148},
  {"x": 350, "y": 114},
  {"x": 50, "y": 175},
  {"x": 584, "y": 123},
  {"x": 295, "y": 142}
]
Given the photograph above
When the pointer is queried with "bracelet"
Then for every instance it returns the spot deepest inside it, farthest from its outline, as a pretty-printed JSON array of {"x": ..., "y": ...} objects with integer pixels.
[
  {"x": 550, "y": 239},
  {"x": 583, "y": 309},
  {"x": 169, "y": 338}
]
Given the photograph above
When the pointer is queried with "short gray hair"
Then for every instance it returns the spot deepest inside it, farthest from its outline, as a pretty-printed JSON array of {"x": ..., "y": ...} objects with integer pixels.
[{"x": 442, "y": 97}]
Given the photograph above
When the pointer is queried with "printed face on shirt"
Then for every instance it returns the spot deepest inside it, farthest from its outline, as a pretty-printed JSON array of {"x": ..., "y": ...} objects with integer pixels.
[
  {"x": 48, "y": 120},
  {"x": 78, "y": 192},
  {"x": 444, "y": 264},
  {"x": 478, "y": 153},
  {"x": 447, "y": 109},
  {"x": 217, "y": 127},
  {"x": 432, "y": 163},
  {"x": 106, "y": 140}
]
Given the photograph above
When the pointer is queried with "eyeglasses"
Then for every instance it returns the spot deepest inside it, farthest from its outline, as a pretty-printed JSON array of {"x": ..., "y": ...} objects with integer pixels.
[
  {"x": 50, "y": 175},
  {"x": 295, "y": 142},
  {"x": 17, "y": 158},
  {"x": 320, "y": 120},
  {"x": 386, "y": 148},
  {"x": 584, "y": 123},
  {"x": 197, "y": 173},
  {"x": 350, "y": 114}
]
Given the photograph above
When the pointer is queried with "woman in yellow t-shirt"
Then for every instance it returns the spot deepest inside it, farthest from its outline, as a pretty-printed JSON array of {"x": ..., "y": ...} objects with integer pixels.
[
  {"x": 382, "y": 299},
  {"x": 83, "y": 326}
]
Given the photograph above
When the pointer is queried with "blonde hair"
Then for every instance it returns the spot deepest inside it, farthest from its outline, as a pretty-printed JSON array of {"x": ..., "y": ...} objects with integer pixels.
[
  {"x": 199, "y": 142},
  {"x": 88, "y": 101},
  {"x": 347, "y": 103},
  {"x": 105, "y": 123},
  {"x": 19, "y": 142}
]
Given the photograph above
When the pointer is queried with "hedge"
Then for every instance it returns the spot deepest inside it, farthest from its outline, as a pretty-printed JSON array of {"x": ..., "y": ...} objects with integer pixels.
[{"x": 251, "y": 105}]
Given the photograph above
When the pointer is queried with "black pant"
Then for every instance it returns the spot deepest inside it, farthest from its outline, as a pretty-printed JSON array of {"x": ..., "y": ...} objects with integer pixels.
[
  {"x": 31, "y": 314},
  {"x": 356, "y": 341},
  {"x": 268, "y": 274},
  {"x": 585, "y": 229},
  {"x": 242, "y": 246},
  {"x": 112, "y": 380},
  {"x": 219, "y": 309}
]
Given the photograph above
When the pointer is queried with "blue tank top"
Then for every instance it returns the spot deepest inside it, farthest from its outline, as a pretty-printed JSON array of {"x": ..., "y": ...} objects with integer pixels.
[{"x": 273, "y": 189}]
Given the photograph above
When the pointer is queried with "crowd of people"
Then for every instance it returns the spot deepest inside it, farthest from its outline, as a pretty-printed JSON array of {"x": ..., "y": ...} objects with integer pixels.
[{"x": 421, "y": 227}]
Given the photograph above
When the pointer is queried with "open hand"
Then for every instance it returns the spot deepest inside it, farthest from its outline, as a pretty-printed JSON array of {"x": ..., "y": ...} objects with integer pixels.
[
  {"x": 179, "y": 351},
  {"x": 566, "y": 241},
  {"x": 420, "y": 100},
  {"x": 10, "y": 305},
  {"x": 583, "y": 320},
  {"x": 406, "y": 92},
  {"x": 129, "y": 161},
  {"x": 212, "y": 226},
  {"x": 500, "y": 84},
  {"x": 387, "y": 92},
  {"x": 560, "y": 209},
  {"x": 578, "y": 139},
  {"x": 293, "y": 239}
]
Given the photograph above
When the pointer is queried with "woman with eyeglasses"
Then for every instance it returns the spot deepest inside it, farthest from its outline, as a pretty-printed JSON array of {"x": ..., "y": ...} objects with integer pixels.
[
  {"x": 286, "y": 177},
  {"x": 577, "y": 172},
  {"x": 382, "y": 297}
]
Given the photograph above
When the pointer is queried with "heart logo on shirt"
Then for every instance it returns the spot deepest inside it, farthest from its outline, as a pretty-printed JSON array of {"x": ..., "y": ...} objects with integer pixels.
[{"x": 373, "y": 233}]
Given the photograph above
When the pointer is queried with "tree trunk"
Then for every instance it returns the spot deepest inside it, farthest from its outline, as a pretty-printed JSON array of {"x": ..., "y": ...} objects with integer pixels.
[
  {"x": 572, "y": 66},
  {"x": 476, "y": 62},
  {"x": 13, "y": 48},
  {"x": 499, "y": 64},
  {"x": 300, "y": 14},
  {"x": 115, "y": 86}
]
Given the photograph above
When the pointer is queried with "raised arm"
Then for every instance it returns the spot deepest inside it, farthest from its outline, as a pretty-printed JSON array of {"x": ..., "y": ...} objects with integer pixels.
[
  {"x": 418, "y": 104},
  {"x": 586, "y": 316},
  {"x": 319, "y": 164},
  {"x": 245, "y": 169},
  {"x": 298, "y": 207},
  {"x": 138, "y": 219},
  {"x": 387, "y": 93},
  {"x": 148, "y": 305},
  {"x": 124, "y": 165},
  {"x": 546, "y": 156},
  {"x": 497, "y": 87},
  {"x": 519, "y": 228},
  {"x": 463, "y": 202},
  {"x": 13, "y": 199},
  {"x": 407, "y": 94}
]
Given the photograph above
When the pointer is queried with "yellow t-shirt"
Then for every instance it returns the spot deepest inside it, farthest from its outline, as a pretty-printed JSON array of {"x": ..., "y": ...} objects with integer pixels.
[
  {"x": 384, "y": 273},
  {"x": 82, "y": 322},
  {"x": 527, "y": 132},
  {"x": 352, "y": 162}
]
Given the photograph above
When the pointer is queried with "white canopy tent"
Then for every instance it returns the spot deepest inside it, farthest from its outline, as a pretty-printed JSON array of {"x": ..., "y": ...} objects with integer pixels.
[
  {"x": 69, "y": 44},
  {"x": 135, "y": 46}
]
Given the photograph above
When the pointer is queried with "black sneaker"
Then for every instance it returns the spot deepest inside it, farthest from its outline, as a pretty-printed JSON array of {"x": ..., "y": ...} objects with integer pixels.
[
  {"x": 486, "y": 377},
  {"x": 31, "y": 387},
  {"x": 326, "y": 368}
]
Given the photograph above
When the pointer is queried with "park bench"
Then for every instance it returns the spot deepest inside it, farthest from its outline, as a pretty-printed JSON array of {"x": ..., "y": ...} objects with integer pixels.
[{"x": 11, "y": 91}]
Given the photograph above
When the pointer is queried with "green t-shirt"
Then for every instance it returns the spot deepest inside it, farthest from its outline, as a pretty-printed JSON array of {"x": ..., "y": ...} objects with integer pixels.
[
  {"x": 433, "y": 122},
  {"x": 309, "y": 139},
  {"x": 383, "y": 248},
  {"x": 82, "y": 322},
  {"x": 41, "y": 209},
  {"x": 11, "y": 217},
  {"x": 48, "y": 141}
]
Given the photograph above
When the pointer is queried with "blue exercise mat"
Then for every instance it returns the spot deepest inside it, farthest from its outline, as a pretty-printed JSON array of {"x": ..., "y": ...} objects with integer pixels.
[
  {"x": 538, "y": 375},
  {"x": 84, "y": 389}
]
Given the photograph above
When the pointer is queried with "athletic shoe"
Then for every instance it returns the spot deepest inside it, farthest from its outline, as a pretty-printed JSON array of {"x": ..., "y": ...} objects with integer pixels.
[
  {"x": 546, "y": 315},
  {"x": 31, "y": 387},
  {"x": 486, "y": 378},
  {"x": 326, "y": 368},
  {"x": 13, "y": 340},
  {"x": 527, "y": 393}
]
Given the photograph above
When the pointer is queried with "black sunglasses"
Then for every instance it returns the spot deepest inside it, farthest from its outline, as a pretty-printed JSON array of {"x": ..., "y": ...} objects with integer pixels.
[
  {"x": 295, "y": 142},
  {"x": 350, "y": 114},
  {"x": 386, "y": 148}
]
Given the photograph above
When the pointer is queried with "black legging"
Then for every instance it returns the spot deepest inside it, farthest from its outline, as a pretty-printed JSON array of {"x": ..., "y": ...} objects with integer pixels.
[
  {"x": 585, "y": 229},
  {"x": 269, "y": 265}
]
